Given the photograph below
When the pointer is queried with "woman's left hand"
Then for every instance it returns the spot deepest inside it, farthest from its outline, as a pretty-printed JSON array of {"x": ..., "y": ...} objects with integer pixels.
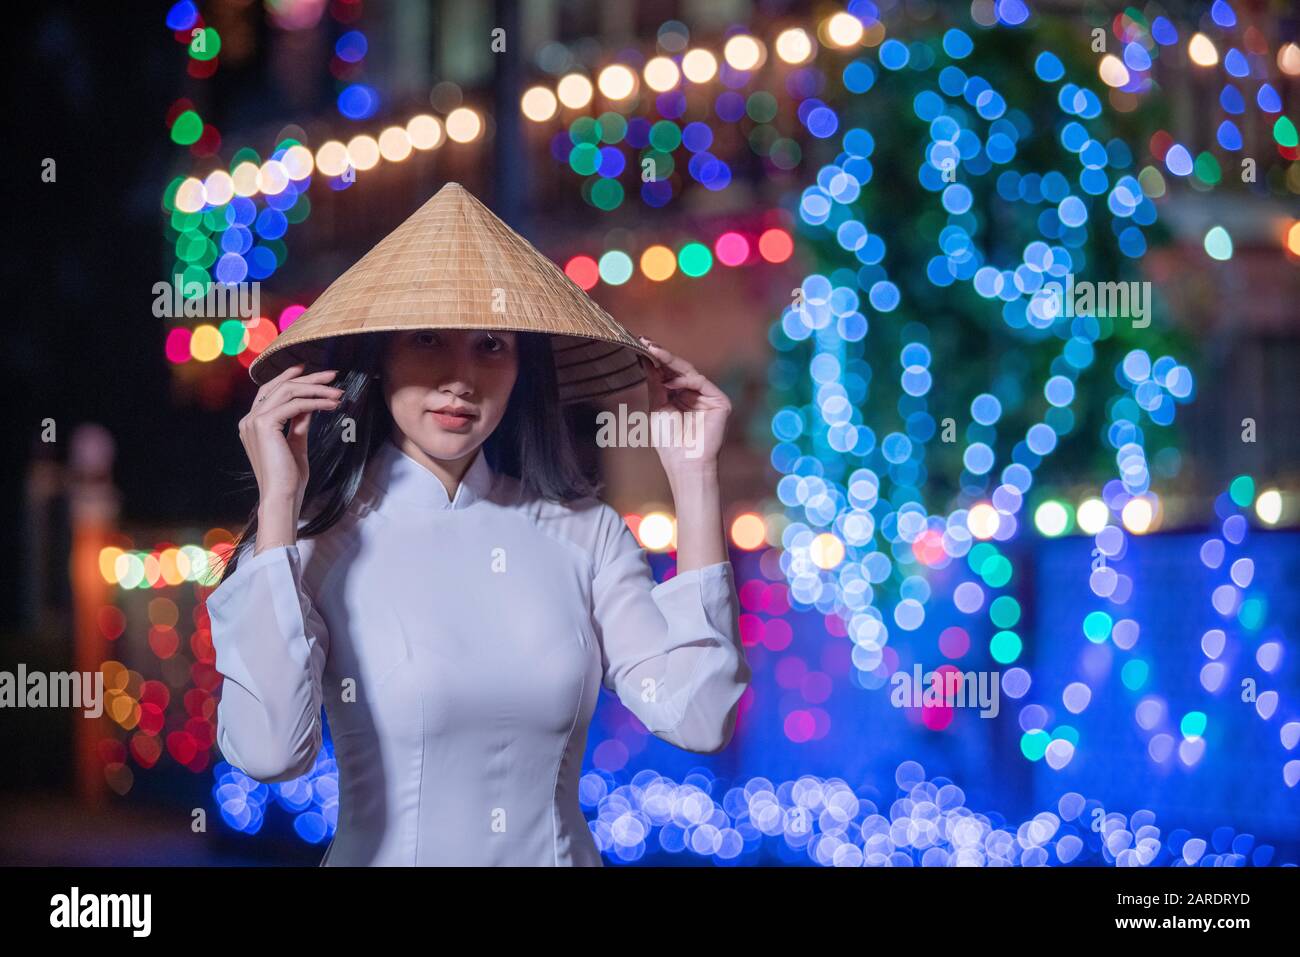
[{"x": 686, "y": 407}]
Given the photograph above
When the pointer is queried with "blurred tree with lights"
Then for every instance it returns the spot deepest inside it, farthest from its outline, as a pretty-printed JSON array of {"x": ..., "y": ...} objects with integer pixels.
[{"x": 969, "y": 162}]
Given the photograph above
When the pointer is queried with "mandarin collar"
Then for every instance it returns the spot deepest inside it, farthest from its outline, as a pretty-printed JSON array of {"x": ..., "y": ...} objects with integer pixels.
[{"x": 402, "y": 479}]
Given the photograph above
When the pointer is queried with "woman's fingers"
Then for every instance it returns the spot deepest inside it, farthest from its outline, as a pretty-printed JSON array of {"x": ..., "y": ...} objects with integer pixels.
[
  {"x": 299, "y": 423},
  {"x": 284, "y": 411},
  {"x": 277, "y": 384},
  {"x": 280, "y": 461},
  {"x": 670, "y": 362},
  {"x": 288, "y": 373},
  {"x": 270, "y": 384},
  {"x": 688, "y": 380},
  {"x": 297, "y": 436},
  {"x": 294, "y": 390},
  {"x": 325, "y": 375},
  {"x": 313, "y": 378},
  {"x": 679, "y": 377},
  {"x": 678, "y": 374},
  {"x": 658, "y": 395}
]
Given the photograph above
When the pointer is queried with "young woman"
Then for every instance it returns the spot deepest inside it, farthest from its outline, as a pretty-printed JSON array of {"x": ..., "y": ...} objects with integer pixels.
[{"x": 457, "y": 595}]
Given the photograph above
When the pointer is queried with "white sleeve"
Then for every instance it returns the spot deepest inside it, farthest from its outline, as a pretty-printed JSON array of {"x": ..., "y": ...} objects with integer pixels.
[
  {"x": 270, "y": 647},
  {"x": 672, "y": 651}
]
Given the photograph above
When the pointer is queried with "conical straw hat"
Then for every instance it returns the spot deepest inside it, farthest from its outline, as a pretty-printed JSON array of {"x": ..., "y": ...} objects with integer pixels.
[{"x": 454, "y": 265}]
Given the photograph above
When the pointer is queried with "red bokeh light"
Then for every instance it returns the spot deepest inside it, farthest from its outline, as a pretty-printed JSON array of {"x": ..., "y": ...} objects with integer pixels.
[
  {"x": 583, "y": 271},
  {"x": 775, "y": 245}
]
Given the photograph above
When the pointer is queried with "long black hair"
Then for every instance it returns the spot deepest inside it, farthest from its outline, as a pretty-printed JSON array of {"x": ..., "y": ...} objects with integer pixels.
[{"x": 533, "y": 441}]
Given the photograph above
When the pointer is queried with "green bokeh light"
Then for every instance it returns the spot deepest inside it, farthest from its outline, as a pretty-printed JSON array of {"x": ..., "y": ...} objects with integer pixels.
[
  {"x": 1207, "y": 169},
  {"x": 190, "y": 247},
  {"x": 1066, "y": 732},
  {"x": 785, "y": 154},
  {"x": 1134, "y": 674},
  {"x": 1242, "y": 491},
  {"x": 695, "y": 259},
  {"x": 613, "y": 127},
  {"x": 585, "y": 131},
  {"x": 185, "y": 222},
  {"x": 187, "y": 129},
  {"x": 1284, "y": 132},
  {"x": 169, "y": 194},
  {"x": 279, "y": 249},
  {"x": 1193, "y": 724},
  {"x": 663, "y": 164},
  {"x": 1004, "y": 612},
  {"x": 607, "y": 194},
  {"x": 234, "y": 337},
  {"x": 996, "y": 572},
  {"x": 1252, "y": 613},
  {"x": 665, "y": 136},
  {"x": 1097, "y": 625},
  {"x": 979, "y": 554},
  {"x": 761, "y": 139},
  {"x": 761, "y": 107},
  {"x": 300, "y": 210},
  {"x": 1005, "y": 647},
  {"x": 1033, "y": 744},
  {"x": 245, "y": 154},
  {"x": 195, "y": 274},
  {"x": 206, "y": 44},
  {"x": 584, "y": 159}
]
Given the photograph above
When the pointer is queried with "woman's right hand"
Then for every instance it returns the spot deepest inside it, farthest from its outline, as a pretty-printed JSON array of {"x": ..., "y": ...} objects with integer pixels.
[{"x": 280, "y": 461}]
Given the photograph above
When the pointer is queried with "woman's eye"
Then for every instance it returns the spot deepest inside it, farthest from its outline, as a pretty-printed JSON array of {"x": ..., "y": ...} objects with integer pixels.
[
  {"x": 493, "y": 344},
  {"x": 426, "y": 338}
]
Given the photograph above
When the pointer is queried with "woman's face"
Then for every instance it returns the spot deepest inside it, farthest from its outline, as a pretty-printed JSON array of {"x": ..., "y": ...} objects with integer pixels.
[{"x": 447, "y": 389}]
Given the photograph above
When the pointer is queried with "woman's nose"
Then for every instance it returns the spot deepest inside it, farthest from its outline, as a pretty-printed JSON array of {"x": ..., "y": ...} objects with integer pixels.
[
  {"x": 452, "y": 369},
  {"x": 457, "y": 379}
]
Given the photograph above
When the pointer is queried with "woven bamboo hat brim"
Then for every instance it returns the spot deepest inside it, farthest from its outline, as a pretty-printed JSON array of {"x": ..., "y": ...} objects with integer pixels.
[{"x": 454, "y": 265}]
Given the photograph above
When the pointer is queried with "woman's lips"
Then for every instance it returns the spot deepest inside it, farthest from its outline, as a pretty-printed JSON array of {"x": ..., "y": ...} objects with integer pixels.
[{"x": 453, "y": 422}]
